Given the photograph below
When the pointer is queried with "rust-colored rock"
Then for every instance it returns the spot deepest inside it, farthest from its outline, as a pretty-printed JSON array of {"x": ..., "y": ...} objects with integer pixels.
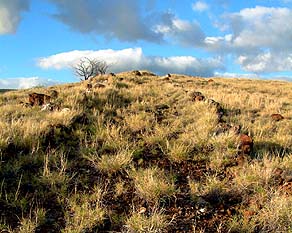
[
  {"x": 210, "y": 81},
  {"x": 245, "y": 146},
  {"x": 277, "y": 117},
  {"x": 36, "y": 99},
  {"x": 197, "y": 96},
  {"x": 89, "y": 86}
]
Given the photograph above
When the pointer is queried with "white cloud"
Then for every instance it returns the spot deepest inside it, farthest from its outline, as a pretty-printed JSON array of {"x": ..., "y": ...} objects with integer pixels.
[
  {"x": 182, "y": 32},
  {"x": 10, "y": 14},
  {"x": 23, "y": 83},
  {"x": 123, "y": 20},
  {"x": 133, "y": 58},
  {"x": 259, "y": 38},
  {"x": 236, "y": 75},
  {"x": 200, "y": 6}
]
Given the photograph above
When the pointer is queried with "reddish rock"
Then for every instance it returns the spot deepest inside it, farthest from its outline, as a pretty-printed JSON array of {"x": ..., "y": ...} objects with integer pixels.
[
  {"x": 245, "y": 146},
  {"x": 197, "y": 96},
  {"x": 277, "y": 117},
  {"x": 89, "y": 85},
  {"x": 210, "y": 81},
  {"x": 36, "y": 99}
]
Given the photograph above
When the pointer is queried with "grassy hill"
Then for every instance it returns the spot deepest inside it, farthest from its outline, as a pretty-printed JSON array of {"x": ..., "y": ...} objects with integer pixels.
[{"x": 140, "y": 155}]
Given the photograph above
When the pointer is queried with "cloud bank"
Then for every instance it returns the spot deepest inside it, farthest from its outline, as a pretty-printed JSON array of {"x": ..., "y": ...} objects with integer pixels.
[
  {"x": 112, "y": 18},
  {"x": 259, "y": 38},
  {"x": 10, "y": 14},
  {"x": 133, "y": 58},
  {"x": 24, "y": 83}
]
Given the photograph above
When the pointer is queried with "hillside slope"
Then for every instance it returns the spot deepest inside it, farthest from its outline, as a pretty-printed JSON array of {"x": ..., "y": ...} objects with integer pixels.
[{"x": 137, "y": 152}]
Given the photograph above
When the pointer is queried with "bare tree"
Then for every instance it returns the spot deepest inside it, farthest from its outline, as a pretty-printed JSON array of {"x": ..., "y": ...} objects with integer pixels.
[{"x": 89, "y": 67}]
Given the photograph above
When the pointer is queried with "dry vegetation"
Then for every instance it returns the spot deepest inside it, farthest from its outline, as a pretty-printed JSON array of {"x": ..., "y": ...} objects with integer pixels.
[{"x": 134, "y": 153}]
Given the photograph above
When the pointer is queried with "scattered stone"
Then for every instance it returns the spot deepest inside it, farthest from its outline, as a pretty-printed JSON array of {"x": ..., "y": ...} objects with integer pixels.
[
  {"x": 50, "y": 107},
  {"x": 46, "y": 107},
  {"x": 199, "y": 98},
  {"x": 245, "y": 146},
  {"x": 277, "y": 117},
  {"x": 160, "y": 107},
  {"x": 99, "y": 85},
  {"x": 65, "y": 110},
  {"x": 36, "y": 99},
  {"x": 287, "y": 175},
  {"x": 223, "y": 127},
  {"x": 137, "y": 73},
  {"x": 142, "y": 210}
]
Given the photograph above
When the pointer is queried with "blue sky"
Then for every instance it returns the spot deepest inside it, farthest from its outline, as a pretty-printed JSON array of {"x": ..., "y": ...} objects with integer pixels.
[{"x": 40, "y": 40}]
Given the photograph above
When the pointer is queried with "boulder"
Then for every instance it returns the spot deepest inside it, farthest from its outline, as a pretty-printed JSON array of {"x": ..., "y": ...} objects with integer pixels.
[
  {"x": 245, "y": 145},
  {"x": 197, "y": 96},
  {"x": 277, "y": 117},
  {"x": 36, "y": 99}
]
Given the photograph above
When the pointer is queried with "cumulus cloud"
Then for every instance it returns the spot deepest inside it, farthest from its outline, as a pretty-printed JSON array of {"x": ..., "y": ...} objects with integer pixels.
[
  {"x": 200, "y": 6},
  {"x": 23, "y": 83},
  {"x": 112, "y": 18},
  {"x": 10, "y": 14},
  {"x": 259, "y": 37},
  {"x": 133, "y": 58},
  {"x": 183, "y": 32}
]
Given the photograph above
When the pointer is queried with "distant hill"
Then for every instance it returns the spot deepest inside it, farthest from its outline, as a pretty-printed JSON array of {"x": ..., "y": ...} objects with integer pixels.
[{"x": 6, "y": 90}]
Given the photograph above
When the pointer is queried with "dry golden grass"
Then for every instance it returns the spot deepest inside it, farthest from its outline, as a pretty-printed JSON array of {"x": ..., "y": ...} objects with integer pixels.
[
  {"x": 139, "y": 135},
  {"x": 152, "y": 184}
]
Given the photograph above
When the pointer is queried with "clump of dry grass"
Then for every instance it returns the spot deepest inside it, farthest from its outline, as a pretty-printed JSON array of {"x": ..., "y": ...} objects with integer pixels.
[
  {"x": 85, "y": 211},
  {"x": 136, "y": 120},
  {"x": 112, "y": 163},
  {"x": 152, "y": 184},
  {"x": 155, "y": 222}
]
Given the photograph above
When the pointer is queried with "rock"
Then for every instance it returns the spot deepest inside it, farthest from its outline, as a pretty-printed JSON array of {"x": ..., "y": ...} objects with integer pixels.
[
  {"x": 50, "y": 107},
  {"x": 287, "y": 175},
  {"x": 213, "y": 103},
  {"x": 224, "y": 128},
  {"x": 46, "y": 107},
  {"x": 36, "y": 99},
  {"x": 99, "y": 85},
  {"x": 89, "y": 86},
  {"x": 137, "y": 73},
  {"x": 277, "y": 117},
  {"x": 65, "y": 110},
  {"x": 142, "y": 210},
  {"x": 160, "y": 107},
  {"x": 245, "y": 145},
  {"x": 210, "y": 81},
  {"x": 199, "y": 98}
]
